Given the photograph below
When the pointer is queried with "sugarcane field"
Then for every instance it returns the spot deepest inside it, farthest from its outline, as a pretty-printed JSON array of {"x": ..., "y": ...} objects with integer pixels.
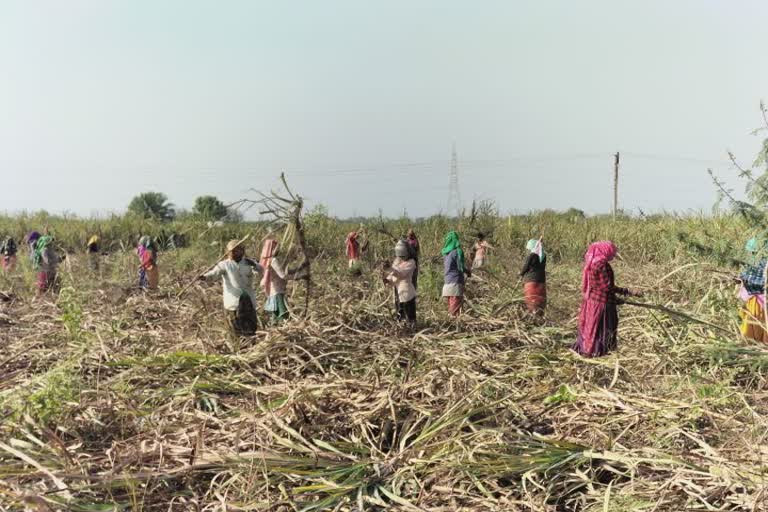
[
  {"x": 437, "y": 256},
  {"x": 120, "y": 398}
]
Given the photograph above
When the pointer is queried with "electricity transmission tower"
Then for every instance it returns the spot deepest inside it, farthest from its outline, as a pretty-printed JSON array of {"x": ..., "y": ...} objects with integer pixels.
[{"x": 454, "y": 197}]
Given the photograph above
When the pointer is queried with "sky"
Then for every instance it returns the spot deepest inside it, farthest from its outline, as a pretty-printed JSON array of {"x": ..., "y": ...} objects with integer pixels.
[{"x": 360, "y": 102}]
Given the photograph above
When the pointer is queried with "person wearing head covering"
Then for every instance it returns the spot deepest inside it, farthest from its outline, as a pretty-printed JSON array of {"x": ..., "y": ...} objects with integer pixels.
[
  {"x": 534, "y": 276},
  {"x": 236, "y": 272},
  {"x": 274, "y": 282},
  {"x": 415, "y": 250},
  {"x": 752, "y": 292},
  {"x": 8, "y": 251},
  {"x": 149, "y": 274},
  {"x": 92, "y": 248},
  {"x": 400, "y": 275},
  {"x": 353, "y": 248},
  {"x": 45, "y": 261},
  {"x": 598, "y": 317},
  {"x": 480, "y": 252},
  {"x": 454, "y": 269},
  {"x": 31, "y": 241}
]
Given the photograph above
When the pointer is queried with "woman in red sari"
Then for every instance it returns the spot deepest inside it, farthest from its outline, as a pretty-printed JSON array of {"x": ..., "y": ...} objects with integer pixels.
[
  {"x": 599, "y": 317},
  {"x": 353, "y": 248}
]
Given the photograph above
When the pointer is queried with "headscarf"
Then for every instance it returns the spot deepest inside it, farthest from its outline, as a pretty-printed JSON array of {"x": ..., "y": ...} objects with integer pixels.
[
  {"x": 403, "y": 250},
  {"x": 597, "y": 254},
  {"x": 146, "y": 244},
  {"x": 352, "y": 245},
  {"x": 8, "y": 247},
  {"x": 413, "y": 243},
  {"x": 756, "y": 248},
  {"x": 32, "y": 237},
  {"x": 452, "y": 243},
  {"x": 42, "y": 243},
  {"x": 267, "y": 255},
  {"x": 537, "y": 248},
  {"x": 232, "y": 245},
  {"x": 93, "y": 240}
]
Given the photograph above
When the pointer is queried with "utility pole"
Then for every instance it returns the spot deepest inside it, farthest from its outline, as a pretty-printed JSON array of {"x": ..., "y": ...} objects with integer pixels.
[
  {"x": 615, "y": 185},
  {"x": 454, "y": 196}
]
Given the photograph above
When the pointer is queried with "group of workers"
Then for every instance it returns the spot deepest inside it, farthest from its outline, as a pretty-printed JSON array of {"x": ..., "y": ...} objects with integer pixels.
[
  {"x": 403, "y": 272},
  {"x": 598, "y": 316},
  {"x": 42, "y": 254}
]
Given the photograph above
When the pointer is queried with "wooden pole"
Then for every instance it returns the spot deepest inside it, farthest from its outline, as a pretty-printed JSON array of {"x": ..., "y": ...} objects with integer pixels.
[{"x": 615, "y": 185}]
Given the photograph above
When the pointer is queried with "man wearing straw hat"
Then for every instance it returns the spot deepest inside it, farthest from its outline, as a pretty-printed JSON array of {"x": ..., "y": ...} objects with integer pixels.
[{"x": 236, "y": 273}]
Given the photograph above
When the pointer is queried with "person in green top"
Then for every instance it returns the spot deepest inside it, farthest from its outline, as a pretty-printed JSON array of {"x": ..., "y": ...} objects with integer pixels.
[{"x": 454, "y": 267}]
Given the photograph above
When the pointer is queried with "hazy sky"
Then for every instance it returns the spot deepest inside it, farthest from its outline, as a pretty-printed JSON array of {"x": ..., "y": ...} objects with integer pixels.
[{"x": 360, "y": 101}]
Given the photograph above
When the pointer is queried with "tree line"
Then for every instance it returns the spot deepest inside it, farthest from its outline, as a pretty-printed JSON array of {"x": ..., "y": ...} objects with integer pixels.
[{"x": 157, "y": 206}]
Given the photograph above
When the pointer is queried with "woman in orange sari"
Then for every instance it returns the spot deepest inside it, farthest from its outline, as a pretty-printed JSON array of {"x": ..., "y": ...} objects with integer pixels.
[{"x": 534, "y": 276}]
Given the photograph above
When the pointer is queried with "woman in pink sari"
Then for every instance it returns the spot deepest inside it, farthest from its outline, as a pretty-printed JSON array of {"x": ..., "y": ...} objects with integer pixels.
[
  {"x": 599, "y": 317},
  {"x": 149, "y": 274}
]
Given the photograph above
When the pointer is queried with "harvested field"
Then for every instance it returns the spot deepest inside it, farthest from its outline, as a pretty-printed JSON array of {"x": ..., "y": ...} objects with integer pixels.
[{"x": 119, "y": 400}]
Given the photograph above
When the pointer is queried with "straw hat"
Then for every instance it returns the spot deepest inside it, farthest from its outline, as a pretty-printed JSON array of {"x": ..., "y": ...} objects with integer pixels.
[{"x": 232, "y": 245}]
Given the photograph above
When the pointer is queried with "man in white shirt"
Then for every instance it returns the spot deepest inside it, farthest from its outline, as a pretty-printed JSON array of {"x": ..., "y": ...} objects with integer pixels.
[{"x": 237, "y": 285}]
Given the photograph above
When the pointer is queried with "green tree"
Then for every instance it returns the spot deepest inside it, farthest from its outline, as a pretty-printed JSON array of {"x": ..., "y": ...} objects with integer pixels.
[
  {"x": 209, "y": 208},
  {"x": 152, "y": 205},
  {"x": 757, "y": 186}
]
